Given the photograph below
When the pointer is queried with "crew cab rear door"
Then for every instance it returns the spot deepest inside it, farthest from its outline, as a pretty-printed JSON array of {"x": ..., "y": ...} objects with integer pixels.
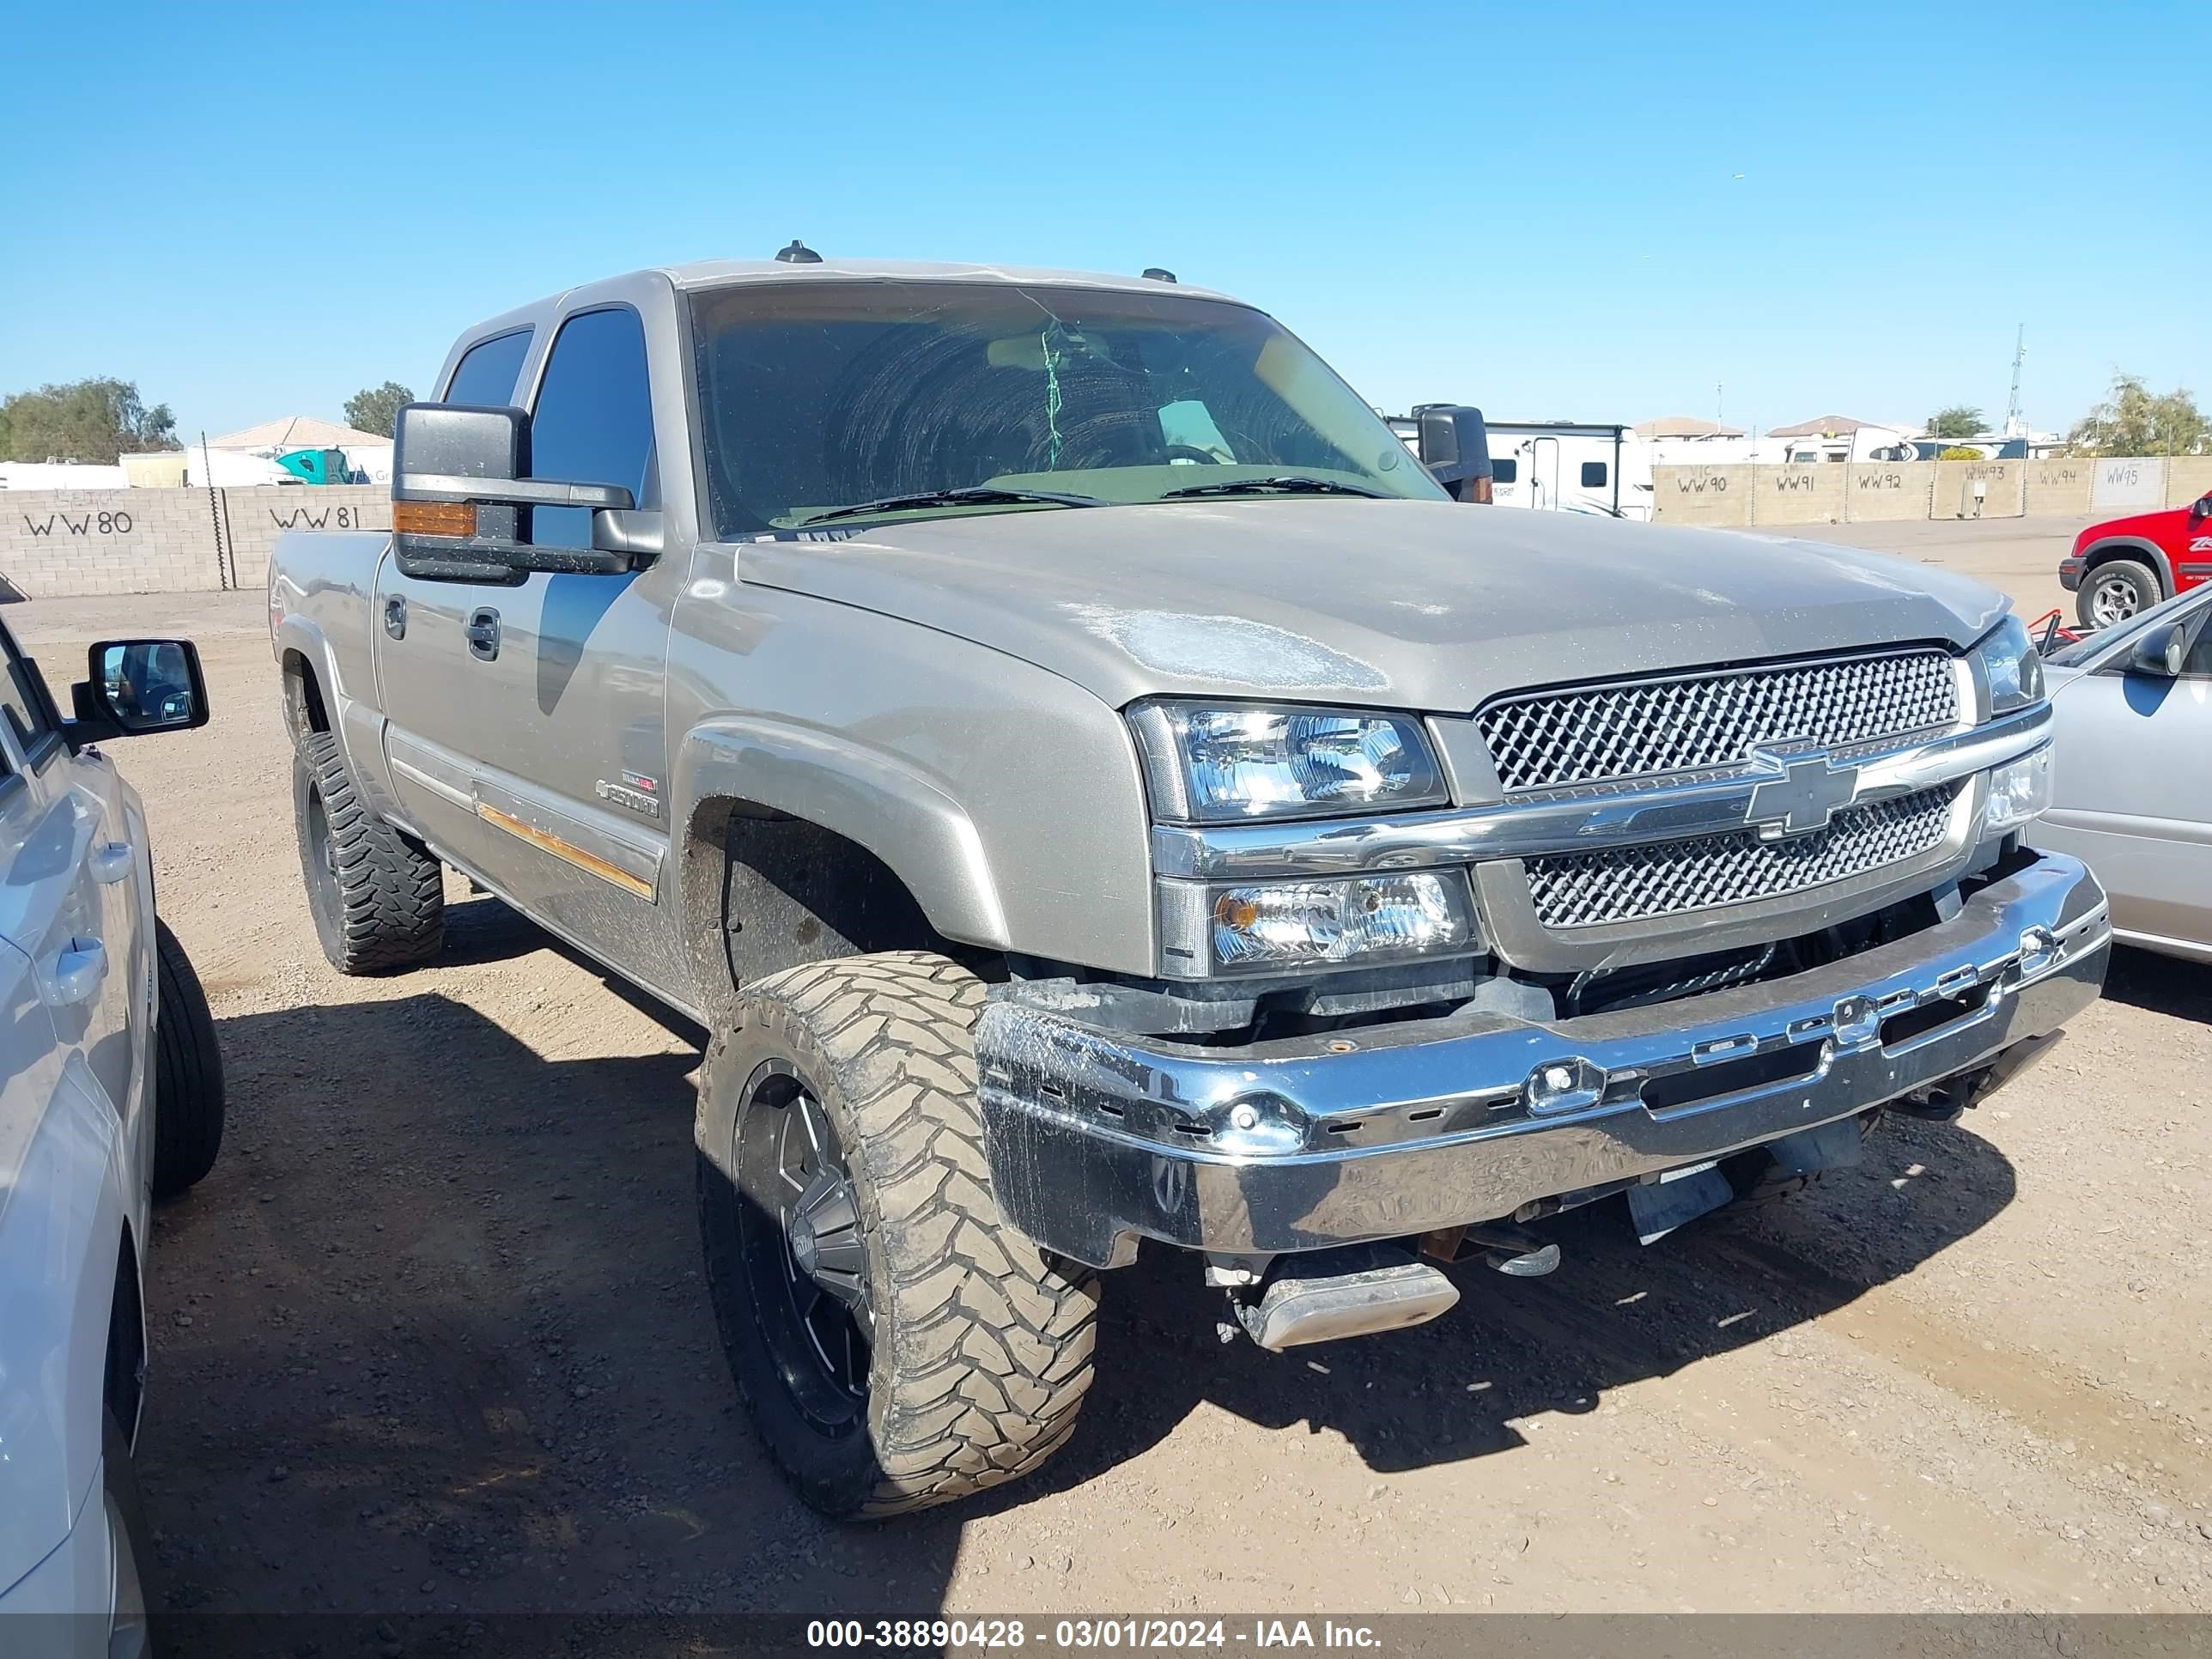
[
  {"x": 532, "y": 716},
  {"x": 427, "y": 680}
]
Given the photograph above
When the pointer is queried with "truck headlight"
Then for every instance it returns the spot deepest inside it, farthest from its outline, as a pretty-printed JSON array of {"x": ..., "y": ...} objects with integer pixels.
[
  {"x": 1281, "y": 926},
  {"x": 2019, "y": 791},
  {"x": 1209, "y": 762},
  {"x": 2014, "y": 671}
]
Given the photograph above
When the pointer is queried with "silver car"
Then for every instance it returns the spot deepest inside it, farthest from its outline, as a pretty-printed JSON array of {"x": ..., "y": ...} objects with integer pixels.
[
  {"x": 111, "y": 1096},
  {"x": 2132, "y": 794}
]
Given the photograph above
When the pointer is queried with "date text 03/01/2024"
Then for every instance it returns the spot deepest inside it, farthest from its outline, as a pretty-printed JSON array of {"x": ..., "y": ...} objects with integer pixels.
[{"x": 1141, "y": 1634}]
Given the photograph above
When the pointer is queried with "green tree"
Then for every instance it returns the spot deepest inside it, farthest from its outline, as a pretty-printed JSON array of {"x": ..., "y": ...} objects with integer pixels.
[
  {"x": 376, "y": 409},
  {"x": 2134, "y": 420},
  {"x": 89, "y": 421},
  {"x": 1956, "y": 421}
]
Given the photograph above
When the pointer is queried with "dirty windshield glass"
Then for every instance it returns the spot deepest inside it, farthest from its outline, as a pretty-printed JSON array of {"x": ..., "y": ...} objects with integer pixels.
[{"x": 819, "y": 396}]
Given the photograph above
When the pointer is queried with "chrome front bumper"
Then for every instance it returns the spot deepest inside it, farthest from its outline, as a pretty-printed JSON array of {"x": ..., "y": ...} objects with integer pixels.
[{"x": 1097, "y": 1139}]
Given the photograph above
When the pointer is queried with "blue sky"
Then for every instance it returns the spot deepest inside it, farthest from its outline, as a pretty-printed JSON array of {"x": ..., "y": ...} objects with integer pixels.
[{"x": 255, "y": 210}]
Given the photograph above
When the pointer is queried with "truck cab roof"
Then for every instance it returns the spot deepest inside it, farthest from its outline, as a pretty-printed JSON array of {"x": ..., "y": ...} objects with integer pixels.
[
  {"x": 698, "y": 274},
  {"x": 718, "y": 273}
]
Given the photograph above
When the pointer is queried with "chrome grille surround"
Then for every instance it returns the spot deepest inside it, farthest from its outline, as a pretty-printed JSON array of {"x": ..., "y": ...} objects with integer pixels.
[
  {"x": 1670, "y": 878},
  {"x": 1580, "y": 736}
]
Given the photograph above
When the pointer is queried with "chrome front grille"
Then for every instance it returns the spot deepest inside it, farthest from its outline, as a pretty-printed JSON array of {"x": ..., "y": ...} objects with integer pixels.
[
  {"x": 1644, "y": 728},
  {"x": 1674, "y": 878}
]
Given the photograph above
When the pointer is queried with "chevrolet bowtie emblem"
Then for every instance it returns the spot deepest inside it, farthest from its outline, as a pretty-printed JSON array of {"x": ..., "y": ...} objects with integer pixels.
[{"x": 1806, "y": 792}]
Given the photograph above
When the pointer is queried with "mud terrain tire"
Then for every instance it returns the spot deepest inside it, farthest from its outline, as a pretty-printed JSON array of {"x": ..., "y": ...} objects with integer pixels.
[
  {"x": 975, "y": 1345},
  {"x": 378, "y": 895}
]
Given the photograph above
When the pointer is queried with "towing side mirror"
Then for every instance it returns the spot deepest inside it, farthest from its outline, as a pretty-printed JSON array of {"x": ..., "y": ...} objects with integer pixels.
[
  {"x": 461, "y": 500},
  {"x": 133, "y": 687},
  {"x": 1454, "y": 445}
]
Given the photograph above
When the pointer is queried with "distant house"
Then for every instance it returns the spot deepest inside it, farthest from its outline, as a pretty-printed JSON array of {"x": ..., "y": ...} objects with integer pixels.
[
  {"x": 248, "y": 456},
  {"x": 291, "y": 431},
  {"x": 1684, "y": 428},
  {"x": 1686, "y": 441}
]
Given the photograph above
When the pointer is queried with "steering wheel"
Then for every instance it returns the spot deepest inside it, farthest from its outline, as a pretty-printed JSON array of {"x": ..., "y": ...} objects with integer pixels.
[{"x": 1192, "y": 452}]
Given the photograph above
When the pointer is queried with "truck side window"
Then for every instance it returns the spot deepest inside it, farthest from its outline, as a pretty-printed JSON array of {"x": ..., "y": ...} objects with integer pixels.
[
  {"x": 593, "y": 423},
  {"x": 1504, "y": 470},
  {"x": 1593, "y": 475},
  {"x": 487, "y": 370}
]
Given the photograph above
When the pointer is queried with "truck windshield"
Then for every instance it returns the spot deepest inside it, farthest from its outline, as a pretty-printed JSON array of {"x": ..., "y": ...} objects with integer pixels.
[{"x": 817, "y": 396}]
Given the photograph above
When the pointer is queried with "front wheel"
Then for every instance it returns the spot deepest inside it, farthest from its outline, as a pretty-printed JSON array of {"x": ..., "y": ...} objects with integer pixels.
[
  {"x": 2115, "y": 591},
  {"x": 898, "y": 1343}
]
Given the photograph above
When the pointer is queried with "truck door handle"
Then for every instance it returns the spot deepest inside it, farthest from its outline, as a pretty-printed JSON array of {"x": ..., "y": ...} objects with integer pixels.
[
  {"x": 77, "y": 972},
  {"x": 395, "y": 617},
  {"x": 110, "y": 861},
  {"x": 483, "y": 633}
]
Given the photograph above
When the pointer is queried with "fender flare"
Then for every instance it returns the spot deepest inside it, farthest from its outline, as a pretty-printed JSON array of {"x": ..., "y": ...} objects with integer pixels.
[
  {"x": 357, "y": 723},
  {"x": 875, "y": 800},
  {"x": 2129, "y": 547},
  {"x": 298, "y": 633}
]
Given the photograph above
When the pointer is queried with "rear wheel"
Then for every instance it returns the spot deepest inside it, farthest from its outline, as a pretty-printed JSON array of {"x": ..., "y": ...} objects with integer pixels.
[
  {"x": 2115, "y": 591},
  {"x": 188, "y": 1093},
  {"x": 377, "y": 895},
  {"x": 897, "y": 1342}
]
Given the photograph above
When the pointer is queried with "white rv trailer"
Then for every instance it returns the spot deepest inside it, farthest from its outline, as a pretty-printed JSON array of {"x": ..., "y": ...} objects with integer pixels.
[{"x": 1571, "y": 466}]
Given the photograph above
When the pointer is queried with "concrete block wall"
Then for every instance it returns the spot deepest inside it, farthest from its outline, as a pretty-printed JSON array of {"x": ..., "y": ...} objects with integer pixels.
[
  {"x": 57, "y": 544},
  {"x": 2188, "y": 477},
  {"x": 1859, "y": 492},
  {"x": 1889, "y": 489},
  {"x": 2004, "y": 490},
  {"x": 1796, "y": 495},
  {"x": 1702, "y": 495},
  {"x": 2127, "y": 483},
  {"x": 58, "y": 541},
  {"x": 258, "y": 516},
  {"x": 2060, "y": 486}
]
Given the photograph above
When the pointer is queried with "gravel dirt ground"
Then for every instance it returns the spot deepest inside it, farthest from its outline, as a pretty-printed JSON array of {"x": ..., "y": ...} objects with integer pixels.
[{"x": 433, "y": 1338}]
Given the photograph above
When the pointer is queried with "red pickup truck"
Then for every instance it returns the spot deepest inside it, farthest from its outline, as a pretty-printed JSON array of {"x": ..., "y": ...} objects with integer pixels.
[{"x": 2126, "y": 565}]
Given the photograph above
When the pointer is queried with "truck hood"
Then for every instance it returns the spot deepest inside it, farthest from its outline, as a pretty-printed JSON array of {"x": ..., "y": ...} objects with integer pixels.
[{"x": 1409, "y": 605}]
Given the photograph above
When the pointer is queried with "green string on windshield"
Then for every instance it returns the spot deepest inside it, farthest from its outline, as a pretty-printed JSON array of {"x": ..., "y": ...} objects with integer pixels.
[{"x": 1051, "y": 401}]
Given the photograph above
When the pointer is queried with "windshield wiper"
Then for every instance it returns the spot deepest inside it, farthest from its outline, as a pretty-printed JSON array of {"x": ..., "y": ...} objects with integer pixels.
[
  {"x": 968, "y": 495},
  {"x": 1284, "y": 483}
]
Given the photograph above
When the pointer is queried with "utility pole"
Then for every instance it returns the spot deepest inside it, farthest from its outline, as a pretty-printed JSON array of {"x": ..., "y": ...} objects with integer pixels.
[{"x": 2013, "y": 429}]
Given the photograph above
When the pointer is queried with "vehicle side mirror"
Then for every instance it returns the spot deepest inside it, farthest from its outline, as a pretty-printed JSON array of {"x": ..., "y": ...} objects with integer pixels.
[
  {"x": 2161, "y": 652},
  {"x": 2201, "y": 507},
  {"x": 133, "y": 687},
  {"x": 1454, "y": 444},
  {"x": 461, "y": 500}
]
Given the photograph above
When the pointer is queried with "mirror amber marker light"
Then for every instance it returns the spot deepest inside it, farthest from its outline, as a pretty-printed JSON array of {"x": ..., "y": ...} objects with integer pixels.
[{"x": 434, "y": 518}]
